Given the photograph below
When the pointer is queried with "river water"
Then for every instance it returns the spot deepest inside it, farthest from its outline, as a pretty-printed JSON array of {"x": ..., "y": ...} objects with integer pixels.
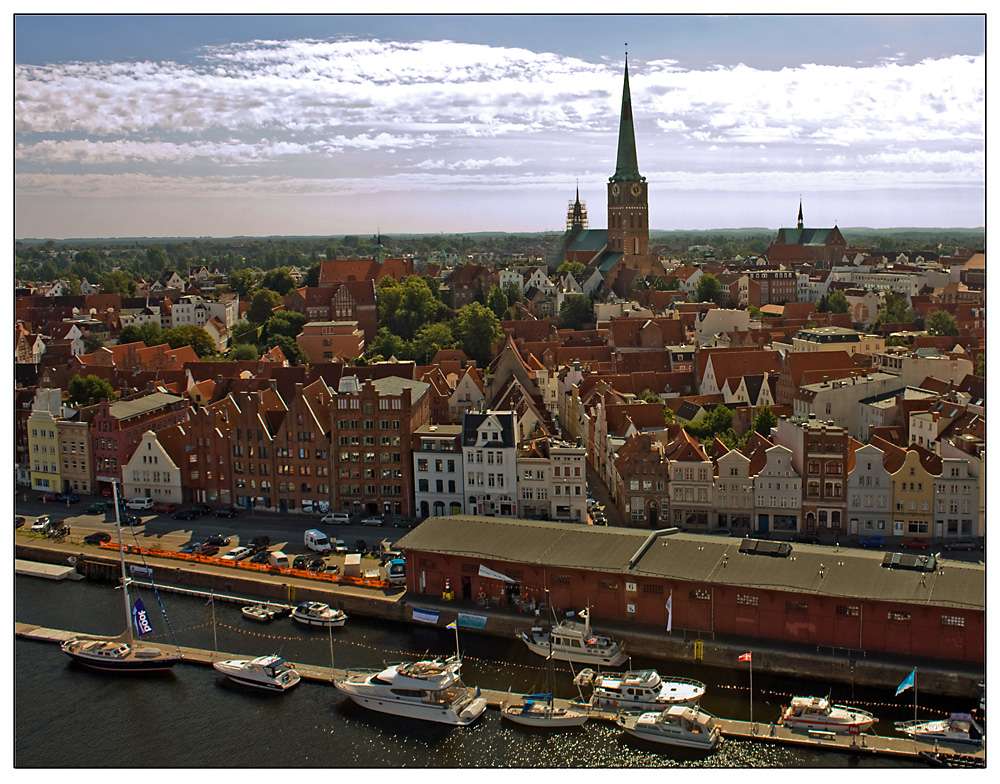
[{"x": 68, "y": 716}]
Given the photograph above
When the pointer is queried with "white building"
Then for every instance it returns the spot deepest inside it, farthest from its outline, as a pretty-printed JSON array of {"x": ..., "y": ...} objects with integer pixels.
[
  {"x": 869, "y": 491},
  {"x": 150, "y": 473},
  {"x": 438, "y": 470},
  {"x": 956, "y": 500},
  {"x": 490, "y": 464},
  {"x": 734, "y": 492},
  {"x": 778, "y": 493}
]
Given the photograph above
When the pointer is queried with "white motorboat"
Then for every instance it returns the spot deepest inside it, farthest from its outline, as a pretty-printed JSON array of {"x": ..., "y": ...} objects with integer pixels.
[
  {"x": 318, "y": 614},
  {"x": 121, "y": 653},
  {"x": 817, "y": 713},
  {"x": 957, "y": 728},
  {"x": 427, "y": 690},
  {"x": 537, "y": 710},
  {"x": 271, "y": 673},
  {"x": 261, "y": 612},
  {"x": 678, "y": 725},
  {"x": 642, "y": 690},
  {"x": 574, "y": 641}
]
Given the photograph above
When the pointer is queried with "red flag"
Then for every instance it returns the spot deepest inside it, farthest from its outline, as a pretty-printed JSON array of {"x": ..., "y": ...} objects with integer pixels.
[{"x": 745, "y": 657}]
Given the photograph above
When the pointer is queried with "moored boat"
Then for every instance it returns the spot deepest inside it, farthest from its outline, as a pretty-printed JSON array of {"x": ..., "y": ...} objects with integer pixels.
[
  {"x": 271, "y": 673},
  {"x": 817, "y": 713},
  {"x": 678, "y": 725},
  {"x": 537, "y": 710},
  {"x": 957, "y": 728},
  {"x": 575, "y": 642},
  {"x": 318, "y": 614},
  {"x": 642, "y": 690},
  {"x": 261, "y": 612},
  {"x": 427, "y": 690}
]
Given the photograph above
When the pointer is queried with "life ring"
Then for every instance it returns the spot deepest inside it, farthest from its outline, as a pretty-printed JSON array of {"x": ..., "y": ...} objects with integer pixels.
[{"x": 71, "y": 560}]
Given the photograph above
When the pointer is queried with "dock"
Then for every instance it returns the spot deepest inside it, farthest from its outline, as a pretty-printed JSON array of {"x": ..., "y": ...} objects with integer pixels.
[
  {"x": 865, "y": 743},
  {"x": 46, "y": 571}
]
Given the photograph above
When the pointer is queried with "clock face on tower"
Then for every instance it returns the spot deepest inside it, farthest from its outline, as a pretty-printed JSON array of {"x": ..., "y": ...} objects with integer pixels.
[
  {"x": 636, "y": 189},
  {"x": 615, "y": 190}
]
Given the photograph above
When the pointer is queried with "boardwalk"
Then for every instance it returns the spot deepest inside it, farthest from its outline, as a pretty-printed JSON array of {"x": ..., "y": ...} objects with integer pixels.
[{"x": 731, "y": 728}]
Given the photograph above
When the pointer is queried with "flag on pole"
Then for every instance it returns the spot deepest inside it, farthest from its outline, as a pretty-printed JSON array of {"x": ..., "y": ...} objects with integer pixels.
[
  {"x": 210, "y": 599},
  {"x": 746, "y": 657},
  {"x": 141, "y": 619},
  {"x": 907, "y": 683},
  {"x": 452, "y": 625},
  {"x": 670, "y": 612}
]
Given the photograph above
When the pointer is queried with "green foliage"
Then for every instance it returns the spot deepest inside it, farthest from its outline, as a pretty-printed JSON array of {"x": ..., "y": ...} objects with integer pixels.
[
  {"x": 156, "y": 258},
  {"x": 498, "y": 303},
  {"x": 242, "y": 282},
  {"x": 81, "y": 389},
  {"x": 941, "y": 322},
  {"x": 764, "y": 420},
  {"x": 279, "y": 280},
  {"x": 577, "y": 312},
  {"x": 707, "y": 288},
  {"x": 896, "y": 340},
  {"x": 477, "y": 329},
  {"x": 838, "y": 303},
  {"x": 649, "y": 396},
  {"x": 312, "y": 275},
  {"x": 262, "y": 306},
  {"x": 755, "y": 312},
  {"x": 981, "y": 365},
  {"x": 92, "y": 343},
  {"x": 245, "y": 332},
  {"x": 513, "y": 292},
  {"x": 716, "y": 421},
  {"x": 149, "y": 333},
  {"x": 293, "y": 352},
  {"x": 118, "y": 282},
  {"x": 285, "y": 322},
  {"x": 893, "y": 311},
  {"x": 190, "y": 335},
  {"x": 243, "y": 351},
  {"x": 406, "y": 306},
  {"x": 431, "y": 339},
  {"x": 573, "y": 267},
  {"x": 386, "y": 345}
]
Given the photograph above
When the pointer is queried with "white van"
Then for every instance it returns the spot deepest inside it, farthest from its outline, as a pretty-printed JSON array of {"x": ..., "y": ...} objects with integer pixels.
[
  {"x": 278, "y": 558},
  {"x": 317, "y": 541},
  {"x": 139, "y": 504},
  {"x": 337, "y": 518}
]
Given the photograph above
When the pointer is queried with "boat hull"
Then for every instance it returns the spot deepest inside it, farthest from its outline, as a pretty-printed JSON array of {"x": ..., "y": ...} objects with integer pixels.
[
  {"x": 127, "y": 664},
  {"x": 544, "y": 718},
  {"x": 255, "y": 682},
  {"x": 666, "y": 740},
  {"x": 320, "y": 622},
  {"x": 606, "y": 659},
  {"x": 413, "y": 710},
  {"x": 845, "y": 727}
]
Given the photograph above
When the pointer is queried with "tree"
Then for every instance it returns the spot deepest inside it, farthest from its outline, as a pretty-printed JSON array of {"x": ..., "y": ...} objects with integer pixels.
[
  {"x": 243, "y": 351},
  {"x": 577, "y": 311},
  {"x": 430, "y": 340},
  {"x": 83, "y": 389},
  {"x": 156, "y": 259},
  {"x": 941, "y": 322},
  {"x": 312, "y": 275},
  {"x": 386, "y": 345},
  {"x": 190, "y": 335},
  {"x": 893, "y": 311},
  {"x": 981, "y": 365},
  {"x": 148, "y": 332},
  {"x": 242, "y": 282},
  {"x": 92, "y": 343},
  {"x": 279, "y": 280},
  {"x": 245, "y": 332},
  {"x": 262, "y": 306},
  {"x": 406, "y": 306},
  {"x": 707, "y": 288},
  {"x": 718, "y": 420},
  {"x": 285, "y": 322},
  {"x": 764, "y": 421},
  {"x": 118, "y": 282},
  {"x": 838, "y": 303},
  {"x": 292, "y": 351},
  {"x": 755, "y": 312},
  {"x": 573, "y": 267},
  {"x": 649, "y": 396},
  {"x": 477, "y": 329},
  {"x": 498, "y": 303}
]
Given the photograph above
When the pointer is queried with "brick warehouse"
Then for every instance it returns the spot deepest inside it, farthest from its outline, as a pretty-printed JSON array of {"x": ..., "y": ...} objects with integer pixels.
[{"x": 776, "y": 591}]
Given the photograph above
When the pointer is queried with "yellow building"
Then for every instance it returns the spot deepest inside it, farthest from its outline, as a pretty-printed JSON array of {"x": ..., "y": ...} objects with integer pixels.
[
  {"x": 913, "y": 498},
  {"x": 43, "y": 445}
]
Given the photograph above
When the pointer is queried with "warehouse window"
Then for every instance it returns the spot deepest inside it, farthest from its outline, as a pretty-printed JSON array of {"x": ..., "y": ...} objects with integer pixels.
[
  {"x": 850, "y": 611},
  {"x": 652, "y": 588},
  {"x": 560, "y": 579},
  {"x": 746, "y": 600},
  {"x": 952, "y": 620},
  {"x": 899, "y": 617},
  {"x": 796, "y": 607}
]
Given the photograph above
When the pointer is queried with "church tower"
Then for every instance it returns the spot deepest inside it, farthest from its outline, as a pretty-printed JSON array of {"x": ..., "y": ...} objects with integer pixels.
[{"x": 628, "y": 204}]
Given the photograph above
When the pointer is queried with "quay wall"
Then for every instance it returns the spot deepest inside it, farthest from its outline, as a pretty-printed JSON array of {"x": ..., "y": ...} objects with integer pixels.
[{"x": 397, "y": 606}]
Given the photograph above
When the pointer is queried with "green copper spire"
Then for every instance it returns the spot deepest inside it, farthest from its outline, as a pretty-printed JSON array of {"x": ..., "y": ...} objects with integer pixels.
[{"x": 627, "y": 169}]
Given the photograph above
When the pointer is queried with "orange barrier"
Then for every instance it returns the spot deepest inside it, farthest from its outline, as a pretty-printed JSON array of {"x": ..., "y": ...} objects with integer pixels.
[{"x": 364, "y": 582}]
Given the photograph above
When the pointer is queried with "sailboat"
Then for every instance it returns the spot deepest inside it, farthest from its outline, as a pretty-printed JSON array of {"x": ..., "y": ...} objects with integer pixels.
[
  {"x": 121, "y": 653},
  {"x": 538, "y": 710}
]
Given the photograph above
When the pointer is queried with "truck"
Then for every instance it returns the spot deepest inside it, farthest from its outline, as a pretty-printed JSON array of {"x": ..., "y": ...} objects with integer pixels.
[
  {"x": 278, "y": 558},
  {"x": 317, "y": 541},
  {"x": 396, "y": 571}
]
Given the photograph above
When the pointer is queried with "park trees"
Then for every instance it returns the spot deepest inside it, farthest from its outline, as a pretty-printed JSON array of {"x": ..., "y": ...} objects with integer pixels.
[
  {"x": 83, "y": 389},
  {"x": 577, "y": 311},
  {"x": 477, "y": 329},
  {"x": 707, "y": 288},
  {"x": 941, "y": 322}
]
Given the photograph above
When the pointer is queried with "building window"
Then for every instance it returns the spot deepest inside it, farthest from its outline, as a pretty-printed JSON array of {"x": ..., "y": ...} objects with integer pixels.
[
  {"x": 700, "y": 595},
  {"x": 898, "y": 617},
  {"x": 652, "y": 588},
  {"x": 796, "y": 607},
  {"x": 746, "y": 600},
  {"x": 953, "y": 620},
  {"x": 849, "y": 610}
]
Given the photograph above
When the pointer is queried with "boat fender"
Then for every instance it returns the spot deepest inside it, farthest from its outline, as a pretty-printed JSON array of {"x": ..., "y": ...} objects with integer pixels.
[{"x": 71, "y": 560}]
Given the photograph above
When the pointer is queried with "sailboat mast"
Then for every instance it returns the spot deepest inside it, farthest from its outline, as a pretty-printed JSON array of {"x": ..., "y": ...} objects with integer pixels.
[{"x": 121, "y": 558}]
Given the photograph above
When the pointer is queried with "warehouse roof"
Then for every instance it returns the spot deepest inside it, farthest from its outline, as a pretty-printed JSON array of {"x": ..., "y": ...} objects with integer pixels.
[{"x": 810, "y": 569}]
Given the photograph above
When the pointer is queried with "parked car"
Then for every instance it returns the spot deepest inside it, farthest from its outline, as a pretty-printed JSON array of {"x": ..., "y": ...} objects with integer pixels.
[
  {"x": 185, "y": 514},
  {"x": 914, "y": 544},
  {"x": 48, "y": 496},
  {"x": 164, "y": 508},
  {"x": 336, "y": 518},
  {"x": 217, "y": 539},
  {"x": 262, "y": 557},
  {"x": 317, "y": 565},
  {"x": 18, "y": 521},
  {"x": 229, "y": 512},
  {"x": 259, "y": 543},
  {"x": 961, "y": 544},
  {"x": 300, "y": 562},
  {"x": 97, "y": 538},
  {"x": 201, "y": 509},
  {"x": 208, "y": 549},
  {"x": 106, "y": 492},
  {"x": 41, "y": 523},
  {"x": 69, "y": 498},
  {"x": 807, "y": 537},
  {"x": 339, "y": 546},
  {"x": 99, "y": 507},
  {"x": 870, "y": 541},
  {"x": 190, "y": 548},
  {"x": 130, "y": 519},
  {"x": 237, "y": 554},
  {"x": 720, "y": 531},
  {"x": 372, "y": 521},
  {"x": 140, "y": 504}
]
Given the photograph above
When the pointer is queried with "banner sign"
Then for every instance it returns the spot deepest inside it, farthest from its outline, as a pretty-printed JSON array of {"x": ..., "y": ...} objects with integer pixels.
[
  {"x": 469, "y": 621},
  {"x": 486, "y": 572},
  {"x": 426, "y": 616},
  {"x": 141, "y": 619}
]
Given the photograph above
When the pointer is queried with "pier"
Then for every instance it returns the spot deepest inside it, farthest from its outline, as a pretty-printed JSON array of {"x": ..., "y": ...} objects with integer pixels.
[{"x": 865, "y": 743}]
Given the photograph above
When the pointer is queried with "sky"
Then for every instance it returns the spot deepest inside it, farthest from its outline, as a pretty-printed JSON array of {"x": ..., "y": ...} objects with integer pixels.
[{"x": 226, "y": 125}]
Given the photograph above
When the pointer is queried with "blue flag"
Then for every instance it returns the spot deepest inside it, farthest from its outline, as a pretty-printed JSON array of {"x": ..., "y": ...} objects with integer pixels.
[
  {"x": 141, "y": 618},
  {"x": 907, "y": 683}
]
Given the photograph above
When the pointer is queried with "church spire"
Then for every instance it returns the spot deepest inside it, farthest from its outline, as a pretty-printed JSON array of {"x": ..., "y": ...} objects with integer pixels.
[
  {"x": 627, "y": 169},
  {"x": 800, "y": 224}
]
